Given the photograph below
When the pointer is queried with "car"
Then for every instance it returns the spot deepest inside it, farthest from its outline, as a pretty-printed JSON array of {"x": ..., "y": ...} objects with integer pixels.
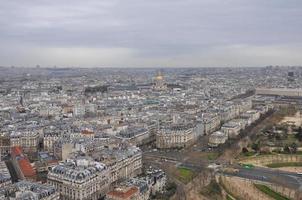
[
  {"x": 247, "y": 166},
  {"x": 263, "y": 177}
]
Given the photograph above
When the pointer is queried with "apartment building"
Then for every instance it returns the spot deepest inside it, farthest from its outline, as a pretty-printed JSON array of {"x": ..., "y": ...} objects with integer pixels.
[
  {"x": 79, "y": 179},
  {"x": 28, "y": 140},
  {"x": 122, "y": 162},
  {"x": 175, "y": 136}
]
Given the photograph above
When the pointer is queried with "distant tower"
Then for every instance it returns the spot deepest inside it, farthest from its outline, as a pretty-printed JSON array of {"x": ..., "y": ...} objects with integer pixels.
[
  {"x": 291, "y": 76},
  {"x": 159, "y": 82},
  {"x": 21, "y": 101}
]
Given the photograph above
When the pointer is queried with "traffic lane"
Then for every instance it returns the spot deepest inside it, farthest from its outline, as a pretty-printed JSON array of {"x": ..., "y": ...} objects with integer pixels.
[
  {"x": 176, "y": 157},
  {"x": 286, "y": 180},
  {"x": 271, "y": 171},
  {"x": 275, "y": 172}
]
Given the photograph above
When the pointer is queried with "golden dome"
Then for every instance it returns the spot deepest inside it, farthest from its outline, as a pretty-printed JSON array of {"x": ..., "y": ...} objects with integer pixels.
[{"x": 159, "y": 76}]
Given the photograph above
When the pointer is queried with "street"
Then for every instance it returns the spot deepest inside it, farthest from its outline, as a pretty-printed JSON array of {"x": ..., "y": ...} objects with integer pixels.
[{"x": 286, "y": 179}]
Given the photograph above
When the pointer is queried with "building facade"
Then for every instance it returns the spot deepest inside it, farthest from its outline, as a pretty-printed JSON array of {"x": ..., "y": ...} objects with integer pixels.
[
  {"x": 79, "y": 179},
  {"x": 177, "y": 136},
  {"x": 217, "y": 138}
]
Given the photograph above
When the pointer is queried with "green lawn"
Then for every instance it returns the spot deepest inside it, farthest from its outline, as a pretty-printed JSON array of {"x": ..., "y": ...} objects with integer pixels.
[
  {"x": 297, "y": 153},
  {"x": 185, "y": 175},
  {"x": 270, "y": 192},
  {"x": 212, "y": 156},
  {"x": 248, "y": 154},
  {"x": 287, "y": 164}
]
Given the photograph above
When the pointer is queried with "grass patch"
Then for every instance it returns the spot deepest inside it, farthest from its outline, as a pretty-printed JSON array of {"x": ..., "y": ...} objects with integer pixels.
[
  {"x": 185, "y": 175},
  {"x": 212, "y": 156},
  {"x": 248, "y": 154},
  {"x": 265, "y": 189},
  {"x": 287, "y": 164},
  {"x": 285, "y": 153}
]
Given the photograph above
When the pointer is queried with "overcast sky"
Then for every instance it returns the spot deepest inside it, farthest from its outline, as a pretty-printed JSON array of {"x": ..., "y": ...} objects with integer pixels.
[{"x": 150, "y": 33}]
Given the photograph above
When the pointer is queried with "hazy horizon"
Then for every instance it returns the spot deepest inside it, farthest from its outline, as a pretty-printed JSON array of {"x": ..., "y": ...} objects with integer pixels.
[{"x": 158, "y": 33}]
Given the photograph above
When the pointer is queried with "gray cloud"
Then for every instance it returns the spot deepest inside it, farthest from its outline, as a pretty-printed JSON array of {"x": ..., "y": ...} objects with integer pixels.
[{"x": 150, "y": 33}]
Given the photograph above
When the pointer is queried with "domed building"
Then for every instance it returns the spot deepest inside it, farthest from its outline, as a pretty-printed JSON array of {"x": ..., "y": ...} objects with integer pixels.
[{"x": 159, "y": 82}]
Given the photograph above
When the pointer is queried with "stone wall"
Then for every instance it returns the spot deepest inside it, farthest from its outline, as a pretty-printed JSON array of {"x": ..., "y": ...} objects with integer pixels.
[
  {"x": 245, "y": 189},
  {"x": 270, "y": 159}
]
